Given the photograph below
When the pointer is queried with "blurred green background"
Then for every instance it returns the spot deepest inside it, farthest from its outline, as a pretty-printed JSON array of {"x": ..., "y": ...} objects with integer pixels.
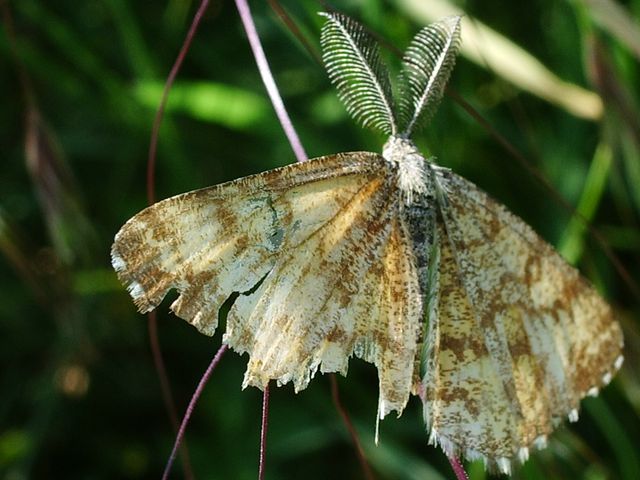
[{"x": 79, "y": 396}]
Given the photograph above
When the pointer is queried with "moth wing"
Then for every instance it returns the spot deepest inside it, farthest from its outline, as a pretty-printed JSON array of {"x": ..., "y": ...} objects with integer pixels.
[
  {"x": 521, "y": 337},
  {"x": 215, "y": 241},
  {"x": 318, "y": 254},
  {"x": 347, "y": 286}
]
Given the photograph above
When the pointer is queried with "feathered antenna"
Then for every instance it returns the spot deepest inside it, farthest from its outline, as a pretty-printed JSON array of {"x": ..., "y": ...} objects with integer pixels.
[
  {"x": 352, "y": 60},
  {"x": 426, "y": 67}
]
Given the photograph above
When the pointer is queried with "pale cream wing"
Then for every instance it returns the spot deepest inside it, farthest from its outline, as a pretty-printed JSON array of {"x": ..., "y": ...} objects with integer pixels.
[
  {"x": 323, "y": 247},
  {"x": 521, "y": 337},
  {"x": 347, "y": 286},
  {"x": 223, "y": 239}
]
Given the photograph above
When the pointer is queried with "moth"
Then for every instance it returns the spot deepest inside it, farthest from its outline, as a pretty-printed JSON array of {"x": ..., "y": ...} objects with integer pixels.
[{"x": 390, "y": 258}]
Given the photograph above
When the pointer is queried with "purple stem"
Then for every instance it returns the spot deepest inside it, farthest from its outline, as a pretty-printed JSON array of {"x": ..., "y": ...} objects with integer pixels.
[
  {"x": 269, "y": 82},
  {"x": 190, "y": 407},
  {"x": 151, "y": 172},
  {"x": 263, "y": 431},
  {"x": 301, "y": 156},
  {"x": 298, "y": 150},
  {"x": 335, "y": 395},
  {"x": 165, "y": 387},
  {"x": 153, "y": 143},
  {"x": 458, "y": 468}
]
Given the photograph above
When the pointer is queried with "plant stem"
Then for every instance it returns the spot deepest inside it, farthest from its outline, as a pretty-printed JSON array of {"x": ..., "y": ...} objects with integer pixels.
[
  {"x": 458, "y": 468},
  {"x": 190, "y": 408},
  {"x": 366, "y": 469},
  {"x": 269, "y": 82},
  {"x": 263, "y": 431}
]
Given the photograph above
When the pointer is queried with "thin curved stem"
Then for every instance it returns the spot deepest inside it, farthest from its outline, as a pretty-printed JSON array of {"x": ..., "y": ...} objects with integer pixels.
[
  {"x": 294, "y": 30},
  {"x": 263, "y": 432},
  {"x": 165, "y": 388},
  {"x": 191, "y": 407},
  {"x": 458, "y": 468},
  {"x": 366, "y": 469},
  {"x": 151, "y": 172},
  {"x": 153, "y": 143},
  {"x": 269, "y": 82},
  {"x": 298, "y": 150}
]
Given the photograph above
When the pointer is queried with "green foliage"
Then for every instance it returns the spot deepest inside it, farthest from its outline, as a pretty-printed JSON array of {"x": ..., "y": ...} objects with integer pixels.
[
  {"x": 80, "y": 397},
  {"x": 217, "y": 103}
]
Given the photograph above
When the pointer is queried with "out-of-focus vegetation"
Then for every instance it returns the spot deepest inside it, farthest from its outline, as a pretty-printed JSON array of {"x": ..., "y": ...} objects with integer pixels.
[{"x": 79, "y": 397}]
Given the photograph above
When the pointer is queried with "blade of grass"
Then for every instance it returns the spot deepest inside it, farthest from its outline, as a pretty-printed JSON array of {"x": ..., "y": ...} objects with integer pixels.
[
  {"x": 140, "y": 61},
  {"x": 621, "y": 238},
  {"x": 631, "y": 161},
  {"x": 623, "y": 114},
  {"x": 571, "y": 244},
  {"x": 69, "y": 43},
  {"x": 476, "y": 470},
  {"x": 70, "y": 230},
  {"x": 293, "y": 28},
  {"x": 393, "y": 461},
  {"x": 623, "y": 447},
  {"x": 616, "y": 20}
]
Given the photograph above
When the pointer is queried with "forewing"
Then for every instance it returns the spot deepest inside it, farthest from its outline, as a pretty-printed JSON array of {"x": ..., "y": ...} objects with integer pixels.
[
  {"x": 348, "y": 286},
  {"x": 521, "y": 337},
  {"x": 212, "y": 242},
  {"x": 319, "y": 255}
]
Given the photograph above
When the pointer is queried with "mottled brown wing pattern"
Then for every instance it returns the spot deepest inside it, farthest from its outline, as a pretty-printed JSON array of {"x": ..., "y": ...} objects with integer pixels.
[
  {"x": 520, "y": 336},
  {"x": 211, "y": 242},
  {"x": 336, "y": 266},
  {"x": 346, "y": 287}
]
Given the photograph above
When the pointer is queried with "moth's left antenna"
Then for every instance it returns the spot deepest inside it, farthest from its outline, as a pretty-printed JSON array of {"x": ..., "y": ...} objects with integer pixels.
[{"x": 352, "y": 60}]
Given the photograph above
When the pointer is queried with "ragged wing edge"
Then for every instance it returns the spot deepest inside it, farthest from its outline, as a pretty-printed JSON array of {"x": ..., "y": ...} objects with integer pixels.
[{"x": 278, "y": 179}]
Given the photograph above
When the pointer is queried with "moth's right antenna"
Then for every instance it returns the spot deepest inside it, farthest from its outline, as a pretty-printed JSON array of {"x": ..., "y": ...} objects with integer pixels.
[
  {"x": 426, "y": 68},
  {"x": 352, "y": 60}
]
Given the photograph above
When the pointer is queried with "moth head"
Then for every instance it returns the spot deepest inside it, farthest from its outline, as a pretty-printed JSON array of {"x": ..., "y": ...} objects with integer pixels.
[{"x": 398, "y": 147}]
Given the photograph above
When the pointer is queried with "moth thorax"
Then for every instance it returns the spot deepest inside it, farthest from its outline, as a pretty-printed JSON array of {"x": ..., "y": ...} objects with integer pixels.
[{"x": 411, "y": 166}]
